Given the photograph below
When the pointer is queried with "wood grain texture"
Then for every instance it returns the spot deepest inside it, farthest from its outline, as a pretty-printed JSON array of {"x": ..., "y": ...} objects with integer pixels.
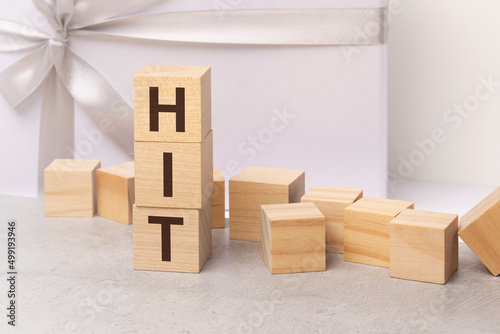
[
  {"x": 191, "y": 243},
  {"x": 480, "y": 230},
  {"x": 255, "y": 186},
  {"x": 192, "y": 173},
  {"x": 366, "y": 229},
  {"x": 332, "y": 201},
  {"x": 116, "y": 192},
  {"x": 198, "y": 114},
  {"x": 218, "y": 200},
  {"x": 293, "y": 238},
  {"x": 70, "y": 188},
  {"x": 424, "y": 246}
]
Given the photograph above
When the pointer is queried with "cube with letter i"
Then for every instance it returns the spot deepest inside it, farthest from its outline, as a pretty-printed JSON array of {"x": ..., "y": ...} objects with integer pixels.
[{"x": 173, "y": 168}]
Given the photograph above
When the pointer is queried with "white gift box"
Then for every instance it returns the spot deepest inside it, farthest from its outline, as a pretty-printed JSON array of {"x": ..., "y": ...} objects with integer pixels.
[{"x": 321, "y": 109}]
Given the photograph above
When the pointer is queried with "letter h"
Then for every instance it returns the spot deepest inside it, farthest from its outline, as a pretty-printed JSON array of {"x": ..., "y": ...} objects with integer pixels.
[{"x": 155, "y": 108}]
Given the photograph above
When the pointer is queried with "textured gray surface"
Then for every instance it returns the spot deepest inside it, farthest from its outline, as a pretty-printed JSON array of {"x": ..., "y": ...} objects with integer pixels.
[{"x": 75, "y": 276}]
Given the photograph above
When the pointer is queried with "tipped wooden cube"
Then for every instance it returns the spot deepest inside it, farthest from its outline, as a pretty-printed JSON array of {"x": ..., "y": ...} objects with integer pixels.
[
  {"x": 177, "y": 240},
  {"x": 174, "y": 175},
  {"x": 424, "y": 246},
  {"x": 332, "y": 201},
  {"x": 293, "y": 238},
  {"x": 480, "y": 230},
  {"x": 116, "y": 192},
  {"x": 172, "y": 103},
  {"x": 218, "y": 200},
  {"x": 366, "y": 229},
  {"x": 255, "y": 186},
  {"x": 70, "y": 188}
]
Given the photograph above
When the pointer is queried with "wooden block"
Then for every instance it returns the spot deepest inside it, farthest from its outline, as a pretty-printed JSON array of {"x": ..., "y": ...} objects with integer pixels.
[
  {"x": 172, "y": 103},
  {"x": 293, "y": 238},
  {"x": 366, "y": 229},
  {"x": 332, "y": 201},
  {"x": 424, "y": 246},
  {"x": 70, "y": 188},
  {"x": 116, "y": 192},
  {"x": 255, "y": 186},
  {"x": 218, "y": 200},
  {"x": 172, "y": 239},
  {"x": 174, "y": 175},
  {"x": 480, "y": 230}
]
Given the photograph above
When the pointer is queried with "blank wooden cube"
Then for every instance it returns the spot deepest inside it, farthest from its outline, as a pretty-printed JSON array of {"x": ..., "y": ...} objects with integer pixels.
[
  {"x": 218, "y": 200},
  {"x": 480, "y": 230},
  {"x": 174, "y": 175},
  {"x": 172, "y": 103},
  {"x": 116, "y": 192},
  {"x": 424, "y": 246},
  {"x": 172, "y": 239},
  {"x": 70, "y": 188},
  {"x": 366, "y": 229},
  {"x": 293, "y": 238},
  {"x": 332, "y": 201},
  {"x": 255, "y": 186}
]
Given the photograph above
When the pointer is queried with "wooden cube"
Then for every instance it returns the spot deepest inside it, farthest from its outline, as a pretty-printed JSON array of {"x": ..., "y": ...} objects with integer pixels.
[
  {"x": 480, "y": 230},
  {"x": 218, "y": 200},
  {"x": 424, "y": 246},
  {"x": 116, "y": 192},
  {"x": 70, "y": 188},
  {"x": 255, "y": 186},
  {"x": 332, "y": 201},
  {"x": 293, "y": 238},
  {"x": 172, "y": 239},
  {"x": 174, "y": 175},
  {"x": 366, "y": 229},
  {"x": 172, "y": 103}
]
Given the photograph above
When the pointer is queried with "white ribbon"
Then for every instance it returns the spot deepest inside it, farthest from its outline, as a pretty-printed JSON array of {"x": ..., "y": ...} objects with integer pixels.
[{"x": 68, "y": 78}]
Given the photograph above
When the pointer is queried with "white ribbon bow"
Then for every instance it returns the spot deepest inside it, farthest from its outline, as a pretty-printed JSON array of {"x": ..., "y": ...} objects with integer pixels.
[{"x": 68, "y": 78}]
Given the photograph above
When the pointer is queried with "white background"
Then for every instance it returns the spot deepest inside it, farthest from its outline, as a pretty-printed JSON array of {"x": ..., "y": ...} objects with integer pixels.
[
  {"x": 338, "y": 133},
  {"x": 437, "y": 52}
]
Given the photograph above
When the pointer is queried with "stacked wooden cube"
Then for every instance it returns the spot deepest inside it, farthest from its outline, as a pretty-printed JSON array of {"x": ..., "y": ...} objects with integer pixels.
[{"x": 173, "y": 168}]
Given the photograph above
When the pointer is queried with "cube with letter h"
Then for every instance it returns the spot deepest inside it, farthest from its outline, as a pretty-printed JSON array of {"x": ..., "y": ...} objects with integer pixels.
[{"x": 173, "y": 168}]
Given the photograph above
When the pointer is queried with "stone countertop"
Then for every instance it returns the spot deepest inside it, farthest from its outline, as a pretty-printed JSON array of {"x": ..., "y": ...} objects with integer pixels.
[{"x": 75, "y": 276}]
